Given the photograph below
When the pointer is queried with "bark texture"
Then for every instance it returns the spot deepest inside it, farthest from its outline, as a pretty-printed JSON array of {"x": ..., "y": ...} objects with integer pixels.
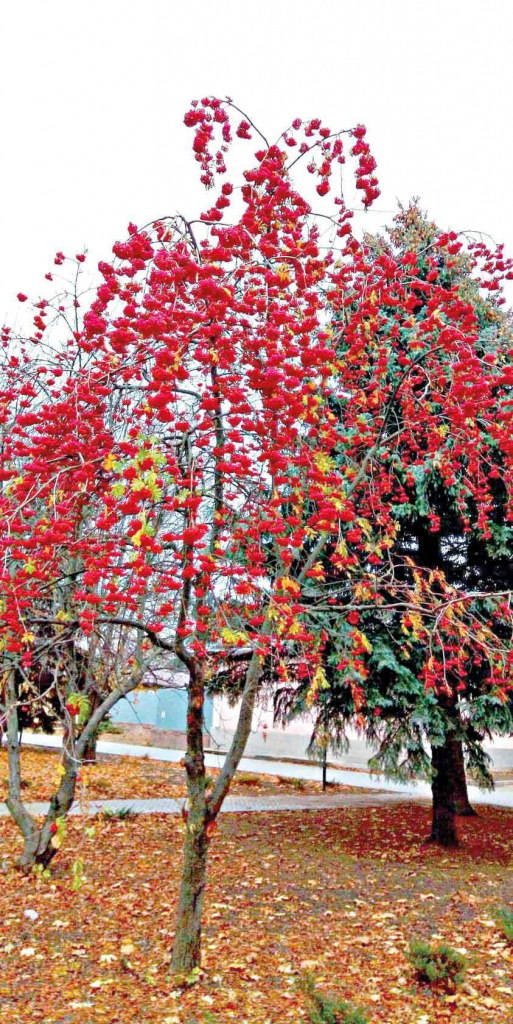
[
  {"x": 464, "y": 808},
  {"x": 39, "y": 848},
  {"x": 40, "y": 843},
  {"x": 443, "y": 827},
  {"x": 187, "y": 942},
  {"x": 202, "y": 810}
]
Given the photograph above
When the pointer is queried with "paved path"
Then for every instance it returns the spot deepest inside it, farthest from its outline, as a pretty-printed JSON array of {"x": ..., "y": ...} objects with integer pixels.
[
  {"x": 500, "y": 797},
  {"x": 233, "y": 804}
]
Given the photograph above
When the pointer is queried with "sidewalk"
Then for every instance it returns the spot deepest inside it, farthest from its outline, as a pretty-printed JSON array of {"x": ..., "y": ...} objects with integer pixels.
[
  {"x": 501, "y": 797},
  {"x": 232, "y": 804}
]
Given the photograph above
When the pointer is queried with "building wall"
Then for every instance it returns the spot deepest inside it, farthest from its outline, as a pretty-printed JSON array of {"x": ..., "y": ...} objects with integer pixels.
[
  {"x": 164, "y": 708},
  {"x": 268, "y": 740}
]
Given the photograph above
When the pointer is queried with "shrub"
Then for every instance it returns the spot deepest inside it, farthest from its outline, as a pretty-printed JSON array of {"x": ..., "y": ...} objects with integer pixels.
[
  {"x": 437, "y": 965},
  {"x": 326, "y": 1009},
  {"x": 247, "y": 779},
  {"x": 121, "y": 814},
  {"x": 504, "y": 920},
  {"x": 110, "y": 727},
  {"x": 293, "y": 783}
]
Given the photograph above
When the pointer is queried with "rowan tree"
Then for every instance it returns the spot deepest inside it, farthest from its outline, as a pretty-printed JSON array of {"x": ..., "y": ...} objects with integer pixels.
[
  {"x": 190, "y": 495},
  {"x": 52, "y": 675},
  {"x": 219, "y": 431}
]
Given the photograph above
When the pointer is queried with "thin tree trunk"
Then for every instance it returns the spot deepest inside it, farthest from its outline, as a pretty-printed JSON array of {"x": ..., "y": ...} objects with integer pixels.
[
  {"x": 38, "y": 848},
  {"x": 187, "y": 942},
  {"x": 15, "y": 805},
  {"x": 202, "y": 812},
  {"x": 89, "y": 753},
  {"x": 90, "y": 750},
  {"x": 443, "y": 828}
]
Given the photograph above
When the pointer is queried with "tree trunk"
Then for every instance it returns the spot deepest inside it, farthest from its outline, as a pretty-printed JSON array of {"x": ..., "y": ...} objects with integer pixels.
[
  {"x": 443, "y": 828},
  {"x": 463, "y": 806},
  {"x": 39, "y": 843},
  {"x": 90, "y": 749},
  {"x": 39, "y": 848},
  {"x": 202, "y": 811},
  {"x": 187, "y": 941}
]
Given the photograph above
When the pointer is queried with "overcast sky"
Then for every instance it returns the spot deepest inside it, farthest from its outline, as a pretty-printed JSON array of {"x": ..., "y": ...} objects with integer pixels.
[{"x": 94, "y": 92}]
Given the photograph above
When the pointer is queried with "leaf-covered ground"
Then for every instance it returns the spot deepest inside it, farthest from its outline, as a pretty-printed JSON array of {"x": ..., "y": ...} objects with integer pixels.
[
  {"x": 336, "y": 893},
  {"x": 130, "y": 777}
]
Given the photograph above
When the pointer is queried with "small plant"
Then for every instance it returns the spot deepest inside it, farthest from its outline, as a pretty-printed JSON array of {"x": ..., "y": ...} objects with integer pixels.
[
  {"x": 439, "y": 966},
  {"x": 207, "y": 1018},
  {"x": 108, "y": 726},
  {"x": 246, "y": 779},
  {"x": 294, "y": 783},
  {"x": 77, "y": 874},
  {"x": 120, "y": 814},
  {"x": 504, "y": 919},
  {"x": 325, "y": 1009},
  {"x": 42, "y": 874}
]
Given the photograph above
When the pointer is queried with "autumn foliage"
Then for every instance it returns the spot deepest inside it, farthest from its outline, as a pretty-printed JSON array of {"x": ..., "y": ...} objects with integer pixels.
[{"x": 178, "y": 463}]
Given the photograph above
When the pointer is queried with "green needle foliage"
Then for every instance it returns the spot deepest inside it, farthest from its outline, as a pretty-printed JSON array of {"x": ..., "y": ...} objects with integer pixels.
[
  {"x": 439, "y": 966},
  {"x": 325, "y": 1009}
]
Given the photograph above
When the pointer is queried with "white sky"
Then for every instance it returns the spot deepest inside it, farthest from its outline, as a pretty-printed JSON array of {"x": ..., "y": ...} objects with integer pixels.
[{"x": 94, "y": 91}]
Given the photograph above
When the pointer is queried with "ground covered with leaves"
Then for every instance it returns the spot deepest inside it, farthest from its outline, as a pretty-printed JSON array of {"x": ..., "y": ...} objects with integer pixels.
[
  {"x": 335, "y": 894},
  {"x": 113, "y": 778}
]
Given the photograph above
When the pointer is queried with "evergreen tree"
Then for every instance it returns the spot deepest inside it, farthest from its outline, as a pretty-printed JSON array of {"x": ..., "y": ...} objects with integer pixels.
[{"x": 443, "y": 545}]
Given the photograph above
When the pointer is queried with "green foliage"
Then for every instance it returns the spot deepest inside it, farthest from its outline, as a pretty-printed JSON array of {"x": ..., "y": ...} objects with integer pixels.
[
  {"x": 207, "y": 1018},
  {"x": 41, "y": 874},
  {"x": 504, "y": 919},
  {"x": 110, "y": 727},
  {"x": 325, "y": 1009},
  {"x": 294, "y": 783},
  {"x": 247, "y": 779},
  {"x": 83, "y": 705},
  {"x": 438, "y": 530},
  {"x": 439, "y": 966},
  {"x": 77, "y": 874},
  {"x": 121, "y": 814}
]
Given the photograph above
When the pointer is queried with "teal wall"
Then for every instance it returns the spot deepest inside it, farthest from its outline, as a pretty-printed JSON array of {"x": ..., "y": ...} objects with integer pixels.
[{"x": 165, "y": 709}]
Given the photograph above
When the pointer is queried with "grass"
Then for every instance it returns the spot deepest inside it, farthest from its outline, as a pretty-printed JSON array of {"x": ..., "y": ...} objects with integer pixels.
[{"x": 504, "y": 919}]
